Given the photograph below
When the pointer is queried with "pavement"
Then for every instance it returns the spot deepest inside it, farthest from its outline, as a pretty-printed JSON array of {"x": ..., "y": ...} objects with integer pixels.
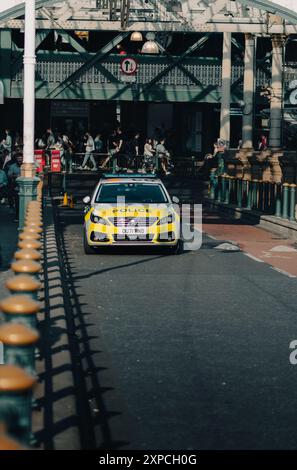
[
  {"x": 188, "y": 351},
  {"x": 261, "y": 245}
]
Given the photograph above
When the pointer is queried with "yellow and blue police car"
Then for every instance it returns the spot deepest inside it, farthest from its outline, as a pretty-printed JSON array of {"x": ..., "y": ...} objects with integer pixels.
[{"x": 131, "y": 210}]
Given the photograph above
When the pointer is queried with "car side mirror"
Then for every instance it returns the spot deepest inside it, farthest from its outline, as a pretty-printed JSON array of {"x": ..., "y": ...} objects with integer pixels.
[
  {"x": 175, "y": 199},
  {"x": 86, "y": 200}
]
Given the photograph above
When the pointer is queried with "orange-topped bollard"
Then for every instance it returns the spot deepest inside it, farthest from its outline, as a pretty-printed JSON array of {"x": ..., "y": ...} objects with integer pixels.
[
  {"x": 25, "y": 235},
  {"x": 20, "y": 309},
  {"x": 33, "y": 216},
  {"x": 16, "y": 387},
  {"x": 26, "y": 267},
  {"x": 23, "y": 284},
  {"x": 32, "y": 222},
  {"x": 34, "y": 212},
  {"x": 19, "y": 345},
  {"x": 33, "y": 204},
  {"x": 34, "y": 229},
  {"x": 27, "y": 253},
  {"x": 7, "y": 443},
  {"x": 30, "y": 244}
]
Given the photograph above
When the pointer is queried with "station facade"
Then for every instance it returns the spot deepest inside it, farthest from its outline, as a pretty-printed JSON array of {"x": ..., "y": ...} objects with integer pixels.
[{"x": 221, "y": 69}]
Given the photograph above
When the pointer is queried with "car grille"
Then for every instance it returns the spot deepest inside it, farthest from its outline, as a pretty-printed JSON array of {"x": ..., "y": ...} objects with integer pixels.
[
  {"x": 133, "y": 221},
  {"x": 126, "y": 238}
]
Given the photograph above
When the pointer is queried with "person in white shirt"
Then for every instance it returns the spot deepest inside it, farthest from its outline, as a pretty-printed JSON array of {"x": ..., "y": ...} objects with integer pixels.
[
  {"x": 90, "y": 147},
  {"x": 7, "y": 145},
  {"x": 163, "y": 155},
  {"x": 148, "y": 154}
]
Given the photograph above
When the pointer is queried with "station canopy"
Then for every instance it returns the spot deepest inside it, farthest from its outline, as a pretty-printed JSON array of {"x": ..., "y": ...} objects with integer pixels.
[{"x": 254, "y": 16}]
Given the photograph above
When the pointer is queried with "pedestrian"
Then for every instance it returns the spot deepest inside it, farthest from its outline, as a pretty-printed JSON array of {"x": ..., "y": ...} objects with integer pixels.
[
  {"x": 164, "y": 156},
  {"x": 40, "y": 143},
  {"x": 3, "y": 185},
  {"x": 89, "y": 149},
  {"x": 218, "y": 154},
  {"x": 148, "y": 156},
  {"x": 130, "y": 150},
  {"x": 13, "y": 173},
  {"x": 50, "y": 144},
  {"x": 6, "y": 144},
  {"x": 98, "y": 143},
  {"x": 18, "y": 141},
  {"x": 262, "y": 144},
  {"x": 115, "y": 143},
  {"x": 68, "y": 152}
]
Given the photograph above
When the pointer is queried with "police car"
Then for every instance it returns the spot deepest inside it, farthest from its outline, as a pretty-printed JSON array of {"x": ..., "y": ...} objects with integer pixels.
[{"x": 131, "y": 210}]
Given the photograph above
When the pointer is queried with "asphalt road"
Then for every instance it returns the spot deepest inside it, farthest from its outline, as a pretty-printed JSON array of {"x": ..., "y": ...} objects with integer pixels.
[{"x": 183, "y": 352}]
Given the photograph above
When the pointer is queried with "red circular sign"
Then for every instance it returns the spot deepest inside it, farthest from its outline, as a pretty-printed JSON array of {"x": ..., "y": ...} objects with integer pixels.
[{"x": 129, "y": 66}]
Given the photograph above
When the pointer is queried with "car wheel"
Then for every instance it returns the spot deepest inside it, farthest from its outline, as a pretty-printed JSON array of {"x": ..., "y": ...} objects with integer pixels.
[
  {"x": 89, "y": 250},
  {"x": 175, "y": 250},
  {"x": 179, "y": 248}
]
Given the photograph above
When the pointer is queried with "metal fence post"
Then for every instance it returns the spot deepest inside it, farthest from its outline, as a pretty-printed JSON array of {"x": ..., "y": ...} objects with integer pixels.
[
  {"x": 285, "y": 201},
  {"x": 19, "y": 345},
  {"x": 20, "y": 309},
  {"x": 23, "y": 284},
  {"x": 266, "y": 196},
  {"x": 249, "y": 195},
  {"x": 16, "y": 387},
  {"x": 26, "y": 267},
  {"x": 239, "y": 192},
  {"x": 278, "y": 200}
]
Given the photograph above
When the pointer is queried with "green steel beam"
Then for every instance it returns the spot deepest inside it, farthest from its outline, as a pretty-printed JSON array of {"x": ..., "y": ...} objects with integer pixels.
[
  {"x": 90, "y": 63},
  {"x": 177, "y": 61},
  {"x": 18, "y": 62},
  {"x": 85, "y": 55}
]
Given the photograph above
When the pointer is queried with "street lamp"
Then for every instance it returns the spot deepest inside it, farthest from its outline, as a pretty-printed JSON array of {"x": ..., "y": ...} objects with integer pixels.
[
  {"x": 136, "y": 36},
  {"x": 28, "y": 181},
  {"x": 150, "y": 46}
]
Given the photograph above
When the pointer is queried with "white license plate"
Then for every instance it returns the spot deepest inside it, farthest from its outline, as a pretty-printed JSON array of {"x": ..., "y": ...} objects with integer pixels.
[{"x": 133, "y": 231}]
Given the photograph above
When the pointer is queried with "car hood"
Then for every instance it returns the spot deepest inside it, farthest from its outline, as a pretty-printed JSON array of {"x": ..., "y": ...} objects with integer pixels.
[{"x": 133, "y": 210}]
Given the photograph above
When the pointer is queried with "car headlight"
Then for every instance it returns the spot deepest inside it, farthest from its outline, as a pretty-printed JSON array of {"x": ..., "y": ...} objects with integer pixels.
[
  {"x": 96, "y": 219},
  {"x": 167, "y": 220}
]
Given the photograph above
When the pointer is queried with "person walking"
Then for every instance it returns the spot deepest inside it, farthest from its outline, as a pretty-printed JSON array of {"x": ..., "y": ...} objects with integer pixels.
[
  {"x": 98, "y": 143},
  {"x": 148, "y": 156},
  {"x": 68, "y": 152},
  {"x": 164, "y": 156},
  {"x": 262, "y": 144},
  {"x": 13, "y": 173},
  {"x": 90, "y": 147},
  {"x": 7, "y": 145},
  {"x": 50, "y": 144},
  {"x": 115, "y": 143},
  {"x": 3, "y": 185}
]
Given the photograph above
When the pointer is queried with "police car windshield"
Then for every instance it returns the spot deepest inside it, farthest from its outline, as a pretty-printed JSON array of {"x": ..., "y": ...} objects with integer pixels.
[{"x": 132, "y": 192}]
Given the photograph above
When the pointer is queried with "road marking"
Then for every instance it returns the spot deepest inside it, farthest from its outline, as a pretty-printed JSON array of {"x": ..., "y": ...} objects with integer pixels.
[
  {"x": 284, "y": 249},
  {"x": 227, "y": 247},
  {"x": 253, "y": 258},
  {"x": 281, "y": 271},
  {"x": 210, "y": 236}
]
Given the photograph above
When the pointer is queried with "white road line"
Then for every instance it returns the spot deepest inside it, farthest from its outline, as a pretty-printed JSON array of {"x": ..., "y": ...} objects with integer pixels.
[
  {"x": 281, "y": 271},
  {"x": 210, "y": 236},
  {"x": 253, "y": 257}
]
